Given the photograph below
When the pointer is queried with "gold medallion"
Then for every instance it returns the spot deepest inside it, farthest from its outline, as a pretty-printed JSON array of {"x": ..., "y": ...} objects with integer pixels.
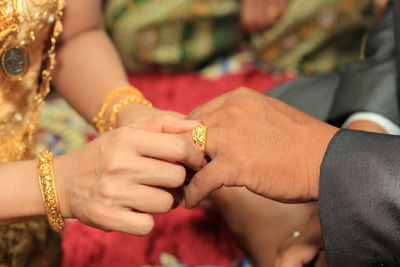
[{"x": 14, "y": 62}]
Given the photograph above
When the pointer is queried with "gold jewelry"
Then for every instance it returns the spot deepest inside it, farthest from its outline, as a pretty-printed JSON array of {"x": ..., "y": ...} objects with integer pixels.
[
  {"x": 121, "y": 104},
  {"x": 48, "y": 190},
  {"x": 199, "y": 135},
  {"x": 99, "y": 120},
  {"x": 17, "y": 134}
]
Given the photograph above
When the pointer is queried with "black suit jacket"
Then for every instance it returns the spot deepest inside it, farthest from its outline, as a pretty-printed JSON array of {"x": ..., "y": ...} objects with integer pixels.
[{"x": 359, "y": 197}]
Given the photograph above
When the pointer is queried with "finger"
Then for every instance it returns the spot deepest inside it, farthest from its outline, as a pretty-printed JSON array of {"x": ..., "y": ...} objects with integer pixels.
[
  {"x": 146, "y": 199},
  {"x": 130, "y": 222},
  {"x": 296, "y": 256},
  {"x": 169, "y": 147},
  {"x": 214, "y": 139},
  {"x": 290, "y": 261},
  {"x": 167, "y": 124},
  {"x": 160, "y": 173},
  {"x": 207, "y": 180},
  {"x": 176, "y": 125}
]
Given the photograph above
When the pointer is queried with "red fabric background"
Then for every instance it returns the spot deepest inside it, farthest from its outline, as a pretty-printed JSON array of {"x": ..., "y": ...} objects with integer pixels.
[{"x": 193, "y": 236}]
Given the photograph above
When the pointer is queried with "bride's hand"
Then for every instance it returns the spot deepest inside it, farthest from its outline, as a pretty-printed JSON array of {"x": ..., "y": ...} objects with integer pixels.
[
  {"x": 153, "y": 119},
  {"x": 117, "y": 181}
]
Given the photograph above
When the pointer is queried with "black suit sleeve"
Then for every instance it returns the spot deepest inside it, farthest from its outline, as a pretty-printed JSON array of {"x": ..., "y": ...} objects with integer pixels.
[{"x": 359, "y": 199}]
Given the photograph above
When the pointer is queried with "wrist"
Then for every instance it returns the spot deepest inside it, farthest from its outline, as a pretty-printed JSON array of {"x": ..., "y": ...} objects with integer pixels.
[
  {"x": 133, "y": 112},
  {"x": 114, "y": 103},
  {"x": 321, "y": 141}
]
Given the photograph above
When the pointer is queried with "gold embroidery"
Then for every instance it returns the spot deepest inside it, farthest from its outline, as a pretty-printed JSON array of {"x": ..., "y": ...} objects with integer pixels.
[
  {"x": 21, "y": 101},
  {"x": 32, "y": 25}
]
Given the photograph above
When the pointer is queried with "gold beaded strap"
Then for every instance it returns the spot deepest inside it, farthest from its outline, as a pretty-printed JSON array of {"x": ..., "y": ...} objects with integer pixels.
[
  {"x": 47, "y": 72},
  {"x": 121, "y": 104},
  {"x": 99, "y": 120},
  {"x": 48, "y": 189}
]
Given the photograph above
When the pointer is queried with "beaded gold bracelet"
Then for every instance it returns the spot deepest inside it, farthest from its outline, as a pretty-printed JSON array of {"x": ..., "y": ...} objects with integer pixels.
[
  {"x": 99, "y": 120},
  {"x": 48, "y": 190},
  {"x": 121, "y": 104}
]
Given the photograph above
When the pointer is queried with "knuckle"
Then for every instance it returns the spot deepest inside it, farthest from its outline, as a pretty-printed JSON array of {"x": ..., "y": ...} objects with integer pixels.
[
  {"x": 121, "y": 135},
  {"x": 167, "y": 117},
  {"x": 97, "y": 215},
  {"x": 111, "y": 164},
  {"x": 178, "y": 176},
  {"x": 145, "y": 225},
  {"x": 107, "y": 190},
  {"x": 182, "y": 148},
  {"x": 166, "y": 202},
  {"x": 233, "y": 110},
  {"x": 242, "y": 91}
]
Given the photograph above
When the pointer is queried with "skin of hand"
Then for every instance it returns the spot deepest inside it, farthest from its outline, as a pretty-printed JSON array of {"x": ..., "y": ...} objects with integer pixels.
[
  {"x": 152, "y": 119},
  {"x": 261, "y": 143},
  {"x": 117, "y": 181},
  {"x": 295, "y": 252},
  {"x": 257, "y": 15}
]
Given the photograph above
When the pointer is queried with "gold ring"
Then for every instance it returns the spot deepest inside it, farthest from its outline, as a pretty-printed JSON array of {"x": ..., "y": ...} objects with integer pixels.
[{"x": 199, "y": 135}]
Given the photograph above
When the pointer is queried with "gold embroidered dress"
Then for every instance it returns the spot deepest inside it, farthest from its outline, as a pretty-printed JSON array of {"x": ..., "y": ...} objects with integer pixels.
[{"x": 28, "y": 33}]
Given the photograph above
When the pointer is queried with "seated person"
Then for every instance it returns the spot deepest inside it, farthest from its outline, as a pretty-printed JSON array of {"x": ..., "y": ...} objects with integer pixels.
[{"x": 186, "y": 35}]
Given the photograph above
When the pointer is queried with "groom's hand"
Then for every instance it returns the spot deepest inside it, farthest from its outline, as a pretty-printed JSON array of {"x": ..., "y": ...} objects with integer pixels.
[{"x": 261, "y": 143}]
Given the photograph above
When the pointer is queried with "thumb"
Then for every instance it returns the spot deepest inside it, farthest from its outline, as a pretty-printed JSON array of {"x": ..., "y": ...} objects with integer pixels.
[
  {"x": 297, "y": 256},
  {"x": 167, "y": 124}
]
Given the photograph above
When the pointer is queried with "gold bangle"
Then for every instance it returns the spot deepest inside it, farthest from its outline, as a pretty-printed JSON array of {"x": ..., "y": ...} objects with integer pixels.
[
  {"x": 48, "y": 189},
  {"x": 99, "y": 120},
  {"x": 121, "y": 104}
]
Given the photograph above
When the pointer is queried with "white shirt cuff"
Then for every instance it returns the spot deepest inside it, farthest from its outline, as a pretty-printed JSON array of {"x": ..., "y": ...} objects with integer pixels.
[{"x": 389, "y": 126}]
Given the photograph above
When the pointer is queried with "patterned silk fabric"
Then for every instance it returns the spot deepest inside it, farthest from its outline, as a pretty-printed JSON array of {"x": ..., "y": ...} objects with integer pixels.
[
  {"x": 26, "y": 26},
  {"x": 313, "y": 36}
]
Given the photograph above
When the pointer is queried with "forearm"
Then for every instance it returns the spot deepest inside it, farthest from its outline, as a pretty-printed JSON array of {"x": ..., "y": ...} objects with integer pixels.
[
  {"x": 20, "y": 196},
  {"x": 89, "y": 68}
]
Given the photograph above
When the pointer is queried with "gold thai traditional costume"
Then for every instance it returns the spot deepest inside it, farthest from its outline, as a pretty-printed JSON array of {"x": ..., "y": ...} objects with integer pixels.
[{"x": 28, "y": 33}]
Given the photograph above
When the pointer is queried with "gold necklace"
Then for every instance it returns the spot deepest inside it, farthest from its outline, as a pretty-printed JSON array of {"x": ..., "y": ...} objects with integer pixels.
[{"x": 18, "y": 145}]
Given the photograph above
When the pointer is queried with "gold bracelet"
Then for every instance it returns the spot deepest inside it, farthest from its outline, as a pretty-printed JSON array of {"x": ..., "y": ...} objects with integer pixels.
[
  {"x": 48, "y": 188},
  {"x": 99, "y": 120},
  {"x": 121, "y": 104}
]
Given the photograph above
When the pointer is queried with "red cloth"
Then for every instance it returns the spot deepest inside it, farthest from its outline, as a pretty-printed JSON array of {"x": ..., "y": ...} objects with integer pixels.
[
  {"x": 184, "y": 92},
  {"x": 193, "y": 236}
]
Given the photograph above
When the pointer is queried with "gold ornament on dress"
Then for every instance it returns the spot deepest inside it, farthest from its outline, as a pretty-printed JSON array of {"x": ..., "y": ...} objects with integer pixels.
[
  {"x": 199, "y": 135},
  {"x": 18, "y": 30},
  {"x": 49, "y": 192}
]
